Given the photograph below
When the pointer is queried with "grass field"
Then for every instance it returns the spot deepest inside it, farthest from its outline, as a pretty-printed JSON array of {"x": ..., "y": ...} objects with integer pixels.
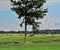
[
  {"x": 37, "y": 42},
  {"x": 35, "y": 46}
]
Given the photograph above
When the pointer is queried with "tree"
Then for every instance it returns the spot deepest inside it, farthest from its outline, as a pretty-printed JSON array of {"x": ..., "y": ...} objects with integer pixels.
[{"x": 29, "y": 10}]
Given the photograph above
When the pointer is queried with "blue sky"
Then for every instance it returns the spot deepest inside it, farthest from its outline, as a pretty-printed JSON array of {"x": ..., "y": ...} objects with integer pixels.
[{"x": 9, "y": 20}]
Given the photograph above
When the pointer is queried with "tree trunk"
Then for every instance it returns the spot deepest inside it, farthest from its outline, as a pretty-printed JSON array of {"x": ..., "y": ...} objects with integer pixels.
[
  {"x": 33, "y": 29},
  {"x": 25, "y": 39},
  {"x": 25, "y": 34}
]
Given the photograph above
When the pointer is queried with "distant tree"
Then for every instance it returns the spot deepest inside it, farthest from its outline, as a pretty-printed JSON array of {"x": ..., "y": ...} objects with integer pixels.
[{"x": 29, "y": 10}]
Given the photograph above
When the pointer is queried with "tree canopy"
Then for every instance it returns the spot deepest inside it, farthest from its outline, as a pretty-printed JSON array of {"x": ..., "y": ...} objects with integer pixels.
[{"x": 29, "y": 10}]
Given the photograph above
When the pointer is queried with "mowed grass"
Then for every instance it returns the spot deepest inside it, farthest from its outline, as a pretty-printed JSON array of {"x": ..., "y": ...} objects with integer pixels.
[
  {"x": 36, "y": 42},
  {"x": 34, "y": 46}
]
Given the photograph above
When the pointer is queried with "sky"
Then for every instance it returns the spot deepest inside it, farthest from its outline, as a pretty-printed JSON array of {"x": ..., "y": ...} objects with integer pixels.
[{"x": 9, "y": 20}]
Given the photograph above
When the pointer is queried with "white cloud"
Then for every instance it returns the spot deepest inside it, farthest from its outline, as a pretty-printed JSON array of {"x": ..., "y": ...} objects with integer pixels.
[
  {"x": 5, "y": 5},
  {"x": 50, "y": 23},
  {"x": 49, "y": 2},
  {"x": 47, "y": 23},
  {"x": 12, "y": 26}
]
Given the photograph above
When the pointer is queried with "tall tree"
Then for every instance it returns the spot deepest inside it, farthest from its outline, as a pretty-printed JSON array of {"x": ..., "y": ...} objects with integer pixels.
[{"x": 29, "y": 10}]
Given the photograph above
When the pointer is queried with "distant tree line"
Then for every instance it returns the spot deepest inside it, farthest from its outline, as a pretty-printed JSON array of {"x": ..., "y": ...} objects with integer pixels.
[{"x": 36, "y": 32}]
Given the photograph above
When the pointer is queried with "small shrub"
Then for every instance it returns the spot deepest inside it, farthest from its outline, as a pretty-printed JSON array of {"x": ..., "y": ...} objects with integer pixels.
[
  {"x": 32, "y": 35},
  {"x": 21, "y": 35}
]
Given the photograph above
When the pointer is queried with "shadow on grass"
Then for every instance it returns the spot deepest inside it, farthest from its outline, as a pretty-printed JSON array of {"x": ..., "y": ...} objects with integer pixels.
[{"x": 40, "y": 41}]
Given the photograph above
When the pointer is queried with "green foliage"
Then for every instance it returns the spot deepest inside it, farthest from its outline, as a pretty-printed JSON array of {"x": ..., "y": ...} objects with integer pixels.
[{"x": 29, "y": 9}]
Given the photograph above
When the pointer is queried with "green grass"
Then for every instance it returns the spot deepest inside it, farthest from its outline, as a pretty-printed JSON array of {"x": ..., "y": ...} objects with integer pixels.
[
  {"x": 35, "y": 38},
  {"x": 39, "y": 42},
  {"x": 35, "y": 46}
]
